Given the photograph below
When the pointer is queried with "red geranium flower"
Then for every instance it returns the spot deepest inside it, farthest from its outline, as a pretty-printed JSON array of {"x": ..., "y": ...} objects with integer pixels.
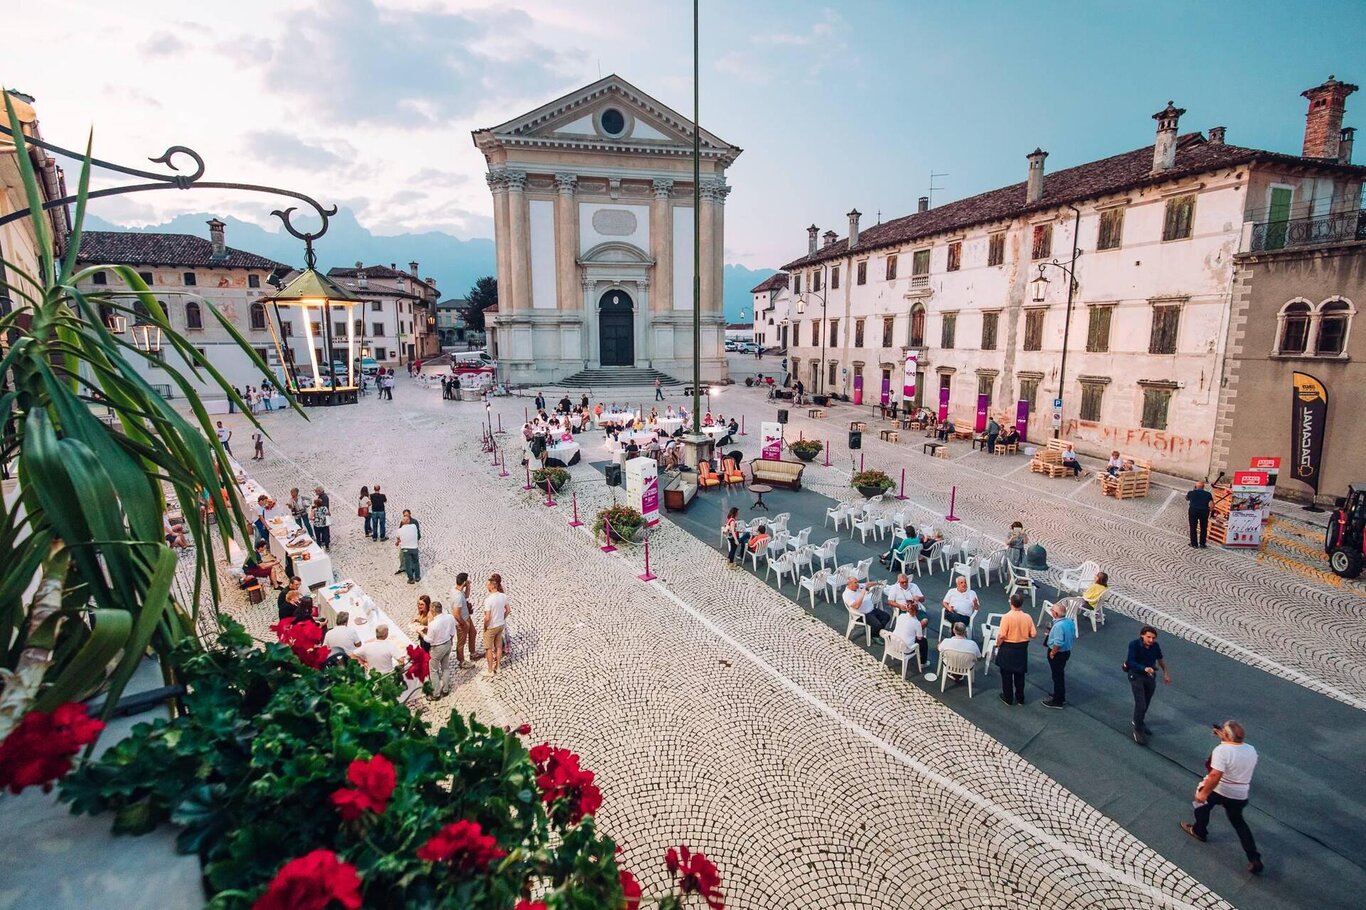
[
  {"x": 312, "y": 882},
  {"x": 630, "y": 889},
  {"x": 305, "y": 639},
  {"x": 524, "y": 730},
  {"x": 530, "y": 905},
  {"x": 374, "y": 781},
  {"x": 559, "y": 777},
  {"x": 696, "y": 875},
  {"x": 464, "y": 845},
  {"x": 39, "y": 750},
  {"x": 419, "y": 664}
]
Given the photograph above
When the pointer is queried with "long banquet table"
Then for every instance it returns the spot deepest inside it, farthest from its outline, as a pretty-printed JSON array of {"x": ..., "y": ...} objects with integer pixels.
[
  {"x": 311, "y": 563},
  {"x": 364, "y": 615}
]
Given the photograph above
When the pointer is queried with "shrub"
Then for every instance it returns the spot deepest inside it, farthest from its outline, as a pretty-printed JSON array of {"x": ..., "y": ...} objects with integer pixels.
[
  {"x": 873, "y": 478},
  {"x": 625, "y": 522},
  {"x": 558, "y": 477},
  {"x": 809, "y": 447}
]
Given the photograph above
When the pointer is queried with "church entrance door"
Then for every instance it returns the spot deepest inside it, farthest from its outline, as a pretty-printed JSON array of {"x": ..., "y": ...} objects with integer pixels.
[{"x": 616, "y": 330}]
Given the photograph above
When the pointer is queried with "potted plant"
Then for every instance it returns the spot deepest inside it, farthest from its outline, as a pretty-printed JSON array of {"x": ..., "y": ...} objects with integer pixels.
[
  {"x": 623, "y": 520},
  {"x": 807, "y": 449},
  {"x": 558, "y": 477},
  {"x": 871, "y": 483}
]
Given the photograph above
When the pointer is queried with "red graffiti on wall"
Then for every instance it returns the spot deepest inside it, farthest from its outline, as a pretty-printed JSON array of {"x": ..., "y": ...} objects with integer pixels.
[{"x": 1133, "y": 439}]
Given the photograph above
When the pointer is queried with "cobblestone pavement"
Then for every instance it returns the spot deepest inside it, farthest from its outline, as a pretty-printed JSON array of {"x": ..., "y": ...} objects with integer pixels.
[{"x": 715, "y": 711}]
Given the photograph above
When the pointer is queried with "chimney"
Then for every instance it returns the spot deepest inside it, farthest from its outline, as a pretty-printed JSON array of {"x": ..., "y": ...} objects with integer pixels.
[
  {"x": 830, "y": 237},
  {"x": 811, "y": 233},
  {"x": 431, "y": 282},
  {"x": 1345, "y": 145},
  {"x": 394, "y": 266},
  {"x": 1216, "y": 135},
  {"x": 1323, "y": 123},
  {"x": 412, "y": 269},
  {"x": 1034, "y": 186},
  {"x": 1164, "y": 149},
  {"x": 853, "y": 228},
  {"x": 216, "y": 228},
  {"x": 923, "y": 205}
]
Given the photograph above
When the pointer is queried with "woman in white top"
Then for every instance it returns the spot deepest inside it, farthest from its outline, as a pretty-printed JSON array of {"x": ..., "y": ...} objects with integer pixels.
[
  {"x": 363, "y": 510},
  {"x": 495, "y": 620}
]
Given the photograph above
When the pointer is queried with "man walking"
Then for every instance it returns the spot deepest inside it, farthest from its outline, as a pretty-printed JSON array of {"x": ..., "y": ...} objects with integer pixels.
[
  {"x": 225, "y": 437},
  {"x": 1199, "y": 500},
  {"x": 1012, "y": 650},
  {"x": 378, "y": 501},
  {"x": 993, "y": 431},
  {"x": 659, "y": 390},
  {"x": 440, "y": 635},
  {"x": 406, "y": 539},
  {"x": 1228, "y": 783},
  {"x": 1141, "y": 664},
  {"x": 1059, "y": 644}
]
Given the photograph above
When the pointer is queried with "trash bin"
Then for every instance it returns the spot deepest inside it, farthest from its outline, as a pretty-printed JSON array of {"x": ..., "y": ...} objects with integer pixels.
[{"x": 470, "y": 395}]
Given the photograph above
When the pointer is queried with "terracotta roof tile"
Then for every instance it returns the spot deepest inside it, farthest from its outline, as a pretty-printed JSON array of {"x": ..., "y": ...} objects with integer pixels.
[
  {"x": 775, "y": 282},
  {"x": 150, "y": 248}
]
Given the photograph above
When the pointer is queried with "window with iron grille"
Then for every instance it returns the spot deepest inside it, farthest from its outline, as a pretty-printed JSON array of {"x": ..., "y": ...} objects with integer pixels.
[
  {"x": 858, "y": 333},
  {"x": 920, "y": 262},
  {"x": 834, "y": 333},
  {"x": 990, "y": 322},
  {"x": 955, "y": 256},
  {"x": 888, "y": 322},
  {"x": 1041, "y": 247},
  {"x": 815, "y": 332},
  {"x": 1166, "y": 322},
  {"x": 1180, "y": 217},
  {"x": 1155, "y": 404},
  {"x": 1111, "y": 229},
  {"x": 253, "y": 281},
  {"x": 1091, "y": 394},
  {"x": 1033, "y": 335},
  {"x": 996, "y": 249},
  {"x": 1098, "y": 329},
  {"x": 891, "y": 268},
  {"x": 948, "y": 329},
  {"x": 834, "y": 278},
  {"x": 797, "y": 283},
  {"x": 1029, "y": 390},
  {"x": 984, "y": 384},
  {"x": 862, "y": 273}
]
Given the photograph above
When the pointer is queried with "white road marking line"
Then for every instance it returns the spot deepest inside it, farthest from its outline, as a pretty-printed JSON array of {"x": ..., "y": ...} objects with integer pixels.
[
  {"x": 1158, "y": 513},
  {"x": 947, "y": 783}
]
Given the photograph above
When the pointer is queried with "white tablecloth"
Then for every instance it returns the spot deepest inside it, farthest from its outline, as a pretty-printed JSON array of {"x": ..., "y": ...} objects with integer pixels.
[
  {"x": 365, "y": 614},
  {"x": 715, "y": 432},
  {"x": 616, "y": 418},
  {"x": 640, "y": 437},
  {"x": 562, "y": 451},
  {"x": 669, "y": 423},
  {"x": 311, "y": 563}
]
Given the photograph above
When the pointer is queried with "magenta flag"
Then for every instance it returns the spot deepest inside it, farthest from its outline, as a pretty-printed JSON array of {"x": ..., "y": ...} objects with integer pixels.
[
  {"x": 1022, "y": 420},
  {"x": 943, "y": 404},
  {"x": 983, "y": 403}
]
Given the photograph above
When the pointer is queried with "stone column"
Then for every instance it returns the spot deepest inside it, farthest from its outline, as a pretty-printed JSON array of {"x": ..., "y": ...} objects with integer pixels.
[
  {"x": 718, "y": 244},
  {"x": 662, "y": 247},
  {"x": 566, "y": 241},
  {"x": 519, "y": 242},
  {"x": 590, "y": 323},
  {"x": 707, "y": 274},
  {"x": 497, "y": 181}
]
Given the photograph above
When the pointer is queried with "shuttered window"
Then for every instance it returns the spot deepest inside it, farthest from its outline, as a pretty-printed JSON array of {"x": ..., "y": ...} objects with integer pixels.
[
  {"x": 996, "y": 249},
  {"x": 1091, "y": 394},
  {"x": 1155, "y": 404},
  {"x": 1180, "y": 219},
  {"x": 989, "y": 323},
  {"x": 955, "y": 256},
  {"x": 1098, "y": 330},
  {"x": 1033, "y": 336},
  {"x": 1042, "y": 245},
  {"x": 1166, "y": 322},
  {"x": 1111, "y": 229},
  {"x": 948, "y": 330}
]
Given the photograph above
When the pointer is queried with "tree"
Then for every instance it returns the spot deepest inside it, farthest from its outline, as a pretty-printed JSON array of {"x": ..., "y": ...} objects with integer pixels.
[{"x": 483, "y": 295}]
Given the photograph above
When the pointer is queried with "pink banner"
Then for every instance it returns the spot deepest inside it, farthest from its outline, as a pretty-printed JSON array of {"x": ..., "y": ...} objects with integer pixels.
[
  {"x": 773, "y": 441},
  {"x": 983, "y": 404},
  {"x": 908, "y": 377},
  {"x": 943, "y": 404},
  {"x": 886, "y": 397},
  {"x": 649, "y": 500},
  {"x": 858, "y": 389},
  {"x": 1022, "y": 420}
]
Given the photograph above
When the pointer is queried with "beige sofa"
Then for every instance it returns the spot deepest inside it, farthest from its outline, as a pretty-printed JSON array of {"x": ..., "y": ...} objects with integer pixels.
[
  {"x": 679, "y": 492},
  {"x": 777, "y": 473}
]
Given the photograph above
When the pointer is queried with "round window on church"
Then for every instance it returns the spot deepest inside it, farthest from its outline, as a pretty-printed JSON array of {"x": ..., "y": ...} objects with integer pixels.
[{"x": 613, "y": 122}]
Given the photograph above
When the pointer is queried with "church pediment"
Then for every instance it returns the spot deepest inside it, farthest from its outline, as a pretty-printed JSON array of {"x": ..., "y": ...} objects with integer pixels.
[
  {"x": 610, "y": 114},
  {"x": 616, "y": 252}
]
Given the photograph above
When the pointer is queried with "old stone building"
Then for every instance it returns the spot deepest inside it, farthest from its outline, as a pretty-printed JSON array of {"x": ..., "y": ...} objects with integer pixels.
[
  {"x": 399, "y": 321},
  {"x": 1158, "y": 231},
  {"x": 19, "y": 248},
  {"x": 593, "y": 217},
  {"x": 770, "y": 311}
]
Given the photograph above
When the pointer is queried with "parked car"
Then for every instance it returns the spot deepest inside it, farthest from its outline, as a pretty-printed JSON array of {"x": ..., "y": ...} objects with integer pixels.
[
  {"x": 473, "y": 358},
  {"x": 367, "y": 365},
  {"x": 731, "y": 344}
]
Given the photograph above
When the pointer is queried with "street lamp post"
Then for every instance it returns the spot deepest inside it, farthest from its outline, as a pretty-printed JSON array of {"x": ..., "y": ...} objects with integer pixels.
[
  {"x": 1038, "y": 290},
  {"x": 801, "y": 308}
]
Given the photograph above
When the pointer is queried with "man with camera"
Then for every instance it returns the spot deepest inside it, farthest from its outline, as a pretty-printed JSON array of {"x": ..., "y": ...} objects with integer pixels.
[{"x": 1227, "y": 783}]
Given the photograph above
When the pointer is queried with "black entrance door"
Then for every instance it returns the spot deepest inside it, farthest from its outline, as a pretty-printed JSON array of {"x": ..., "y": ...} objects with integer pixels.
[{"x": 616, "y": 330}]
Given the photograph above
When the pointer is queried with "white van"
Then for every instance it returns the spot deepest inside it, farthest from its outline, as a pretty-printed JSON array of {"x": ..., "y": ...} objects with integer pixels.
[{"x": 473, "y": 358}]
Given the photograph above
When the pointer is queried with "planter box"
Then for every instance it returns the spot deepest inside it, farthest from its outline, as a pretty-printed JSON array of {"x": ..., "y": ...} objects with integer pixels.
[
  {"x": 805, "y": 456},
  {"x": 820, "y": 400},
  {"x": 870, "y": 492}
]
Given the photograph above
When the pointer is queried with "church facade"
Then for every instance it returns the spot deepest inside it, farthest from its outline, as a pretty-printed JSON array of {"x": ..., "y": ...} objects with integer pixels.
[{"x": 593, "y": 218}]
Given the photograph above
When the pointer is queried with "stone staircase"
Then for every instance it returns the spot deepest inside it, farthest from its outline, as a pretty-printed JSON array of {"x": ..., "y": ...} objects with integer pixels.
[{"x": 618, "y": 378}]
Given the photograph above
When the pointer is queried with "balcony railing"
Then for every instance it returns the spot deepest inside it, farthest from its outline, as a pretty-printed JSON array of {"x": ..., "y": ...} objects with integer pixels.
[{"x": 1339, "y": 227}]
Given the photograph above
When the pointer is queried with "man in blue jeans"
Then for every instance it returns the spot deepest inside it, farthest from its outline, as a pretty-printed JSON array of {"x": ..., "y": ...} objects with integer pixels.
[
  {"x": 377, "y": 503},
  {"x": 1141, "y": 664}
]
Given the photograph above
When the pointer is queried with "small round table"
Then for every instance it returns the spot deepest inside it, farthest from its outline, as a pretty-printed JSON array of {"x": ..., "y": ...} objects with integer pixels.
[{"x": 759, "y": 489}]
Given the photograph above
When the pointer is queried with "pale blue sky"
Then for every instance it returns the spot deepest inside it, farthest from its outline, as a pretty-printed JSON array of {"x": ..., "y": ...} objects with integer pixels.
[{"x": 369, "y": 103}]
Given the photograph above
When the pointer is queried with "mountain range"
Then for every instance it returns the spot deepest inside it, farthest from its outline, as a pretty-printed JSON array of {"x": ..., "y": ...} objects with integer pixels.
[{"x": 453, "y": 263}]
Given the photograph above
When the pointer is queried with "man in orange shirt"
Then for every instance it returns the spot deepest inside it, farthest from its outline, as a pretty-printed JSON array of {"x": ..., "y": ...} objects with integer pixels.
[{"x": 1012, "y": 650}]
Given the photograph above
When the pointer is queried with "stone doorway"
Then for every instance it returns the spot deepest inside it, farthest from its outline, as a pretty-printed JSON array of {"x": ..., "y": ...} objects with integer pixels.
[{"x": 616, "y": 330}]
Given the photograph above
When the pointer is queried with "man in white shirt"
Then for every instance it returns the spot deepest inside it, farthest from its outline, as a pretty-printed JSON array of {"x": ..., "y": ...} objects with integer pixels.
[
  {"x": 380, "y": 655},
  {"x": 406, "y": 539},
  {"x": 961, "y": 642},
  {"x": 440, "y": 635},
  {"x": 960, "y": 603},
  {"x": 225, "y": 437},
  {"x": 905, "y": 597},
  {"x": 858, "y": 599},
  {"x": 1228, "y": 784},
  {"x": 342, "y": 635}
]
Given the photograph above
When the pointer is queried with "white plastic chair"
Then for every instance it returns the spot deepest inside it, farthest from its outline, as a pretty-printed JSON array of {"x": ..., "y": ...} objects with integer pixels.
[
  {"x": 1021, "y": 581},
  {"x": 864, "y": 526},
  {"x": 783, "y": 565},
  {"x": 803, "y": 557},
  {"x": 908, "y": 560},
  {"x": 996, "y": 562},
  {"x": 955, "y": 663},
  {"x": 945, "y": 626},
  {"x": 1096, "y": 613},
  {"x": 810, "y": 584},
  {"x": 895, "y": 648},
  {"x": 855, "y": 620},
  {"x": 839, "y": 512},
  {"x": 780, "y": 521},
  {"x": 1079, "y": 579},
  {"x": 827, "y": 551},
  {"x": 861, "y": 568},
  {"x": 934, "y": 554},
  {"x": 1075, "y": 607},
  {"x": 991, "y": 629},
  {"x": 802, "y": 538},
  {"x": 754, "y": 555},
  {"x": 965, "y": 567},
  {"x": 837, "y": 579},
  {"x": 778, "y": 545},
  {"x": 886, "y": 523}
]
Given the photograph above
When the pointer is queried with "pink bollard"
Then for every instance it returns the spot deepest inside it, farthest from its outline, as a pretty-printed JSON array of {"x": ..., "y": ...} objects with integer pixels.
[
  {"x": 528, "y": 478},
  {"x": 742, "y": 425},
  {"x": 902, "y": 495},
  {"x": 549, "y": 499},
  {"x": 607, "y": 537},
  {"x": 503, "y": 464},
  {"x": 953, "y": 497},
  {"x": 575, "y": 498},
  {"x": 860, "y": 461},
  {"x": 827, "y": 453},
  {"x": 648, "y": 576}
]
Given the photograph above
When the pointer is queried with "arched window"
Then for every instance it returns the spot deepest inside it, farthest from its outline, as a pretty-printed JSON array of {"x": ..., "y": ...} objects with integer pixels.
[
  {"x": 918, "y": 326},
  {"x": 194, "y": 319},
  {"x": 1335, "y": 317},
  {"x": 258, "y": 315},
  {"x": 1294, "y": 334},
  {"x": 140, "y": 312}
]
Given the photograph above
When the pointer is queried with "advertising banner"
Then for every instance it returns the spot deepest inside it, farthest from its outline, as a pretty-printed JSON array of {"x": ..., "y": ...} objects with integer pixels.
[
  {"x": 1272, "y": 467},
  {"x": 886, "y": 395},
  {"x": 1250, "y": 504},
  {"x": 1308, "y": 413},
  {"x": 474, "y": 377},
  {"x": 983, "y": 404},
  {"x": 773, "y": 441},
  {"x": 908, "y": 377},
  {"x": 858, "y": 388},
  {"x": 1022, "y": 420},
  {"x": 642, "y": 487},
  {"x": 943, "y": 404}
]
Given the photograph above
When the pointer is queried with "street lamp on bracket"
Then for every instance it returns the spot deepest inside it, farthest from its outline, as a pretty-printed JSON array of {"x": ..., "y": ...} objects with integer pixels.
[
  {"x": 1038, "y": 293},
  {"x": 801, "y": 309}
]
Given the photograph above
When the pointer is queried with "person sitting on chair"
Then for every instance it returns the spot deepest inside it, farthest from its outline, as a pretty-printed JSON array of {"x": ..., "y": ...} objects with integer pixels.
[
  {"x": 1070, "y": 462},
  {"x": 910, "y": 540},
  {"x": 753, "y": 541},
  {"x": 946, "y": 429},
  {"x": 731, "y": 429},
  {"x": 1009, "y": 436}
]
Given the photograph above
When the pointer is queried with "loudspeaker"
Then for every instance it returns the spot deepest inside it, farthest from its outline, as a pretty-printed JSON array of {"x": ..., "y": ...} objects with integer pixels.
[
  {"x": 782, "y": 415},
  {"x": 855, "y": 439},
  {"x": 614, "y": 475}
]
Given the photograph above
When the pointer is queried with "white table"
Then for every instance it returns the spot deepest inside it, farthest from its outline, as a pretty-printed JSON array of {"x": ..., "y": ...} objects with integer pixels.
[
  {"x": 715, "y": 432},
  {"x": 616, "y": 418},
  {"x": 312, "y": 563},
  {"x": 669, "y": 423},
  {"x": 365, "y": 615},
  {"x": 640, "y": 437},
  {"x": 563, "y": 452}
]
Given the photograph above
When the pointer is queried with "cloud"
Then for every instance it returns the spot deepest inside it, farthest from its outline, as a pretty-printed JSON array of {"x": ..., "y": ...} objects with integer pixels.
[
  {"x": 820, "y": 31},
  {"x": 744, "y": 65},
  {"x": 430, "y": 176},
  {"x": 163, "y": 44},
  {"x": 284, "y": 149},
  {"x": 352, "y": 61}
]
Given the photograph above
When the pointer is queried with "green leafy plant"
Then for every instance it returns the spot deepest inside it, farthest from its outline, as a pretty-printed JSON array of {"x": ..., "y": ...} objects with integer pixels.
[
  {"x": 558, "y": 478},
  {"x": 626, "y": 522},
  {"x": 88, "y": 526},
  {"x": 807, "y": 448},
  {"x": 872, "y": 478}
]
